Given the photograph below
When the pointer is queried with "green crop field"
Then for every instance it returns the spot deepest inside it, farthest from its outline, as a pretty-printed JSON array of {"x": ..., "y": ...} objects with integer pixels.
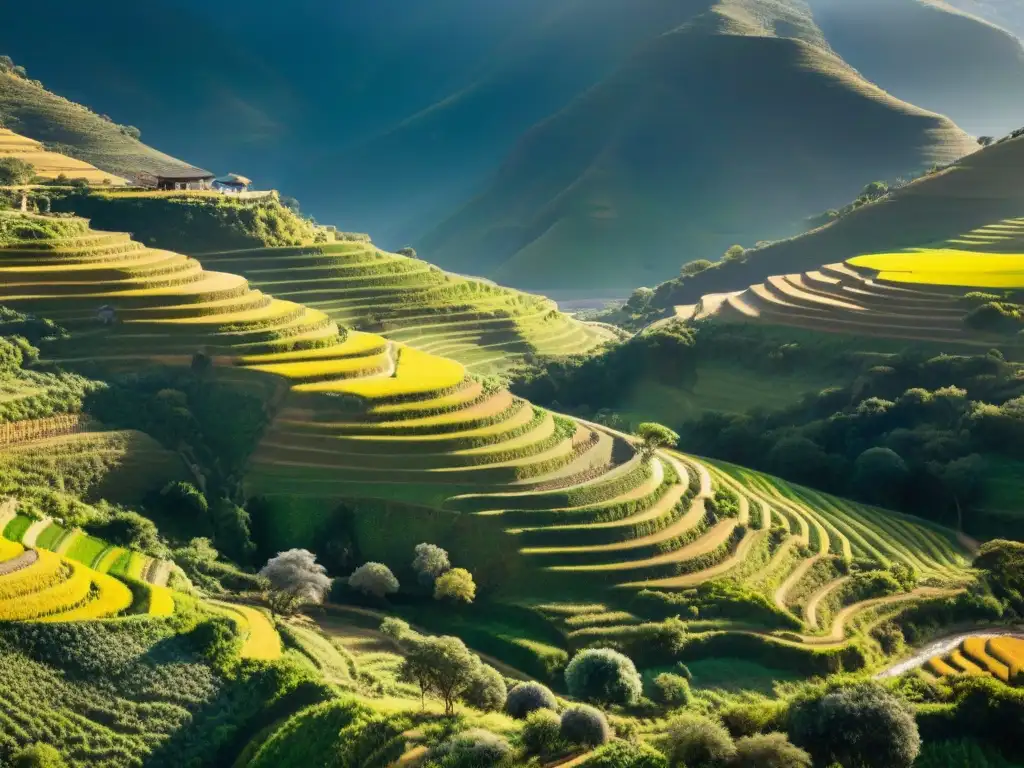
[{"x": 484, "y": 326}]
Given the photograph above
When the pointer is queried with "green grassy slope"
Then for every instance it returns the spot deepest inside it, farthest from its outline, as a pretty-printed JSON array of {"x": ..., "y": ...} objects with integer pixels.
[
  {"x": 628, "y": 182},
  {"x": 981, "y": 189},
  {"x": 26, "y": 107},
  {"x": 934, "y": 56}
]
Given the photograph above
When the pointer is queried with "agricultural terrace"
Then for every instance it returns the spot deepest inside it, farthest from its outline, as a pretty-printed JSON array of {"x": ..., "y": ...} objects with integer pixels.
[
  {"x": 916, "y": 294},
  {"x": 548, "y": 506},
  {"x": 484, "y": 326},
  {"x": 1001, "y": 657},
  {"x": 50, "y": 165}
]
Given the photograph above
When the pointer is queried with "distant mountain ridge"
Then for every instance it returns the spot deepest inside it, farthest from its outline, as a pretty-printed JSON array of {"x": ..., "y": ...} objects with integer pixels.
[{"x": 403, "y": 121}]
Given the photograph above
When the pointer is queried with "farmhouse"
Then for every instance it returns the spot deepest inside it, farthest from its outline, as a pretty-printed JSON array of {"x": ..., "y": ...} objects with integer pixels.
[
  {"x": 188, "y": 178},
  {"x": 232, "y": 183}
]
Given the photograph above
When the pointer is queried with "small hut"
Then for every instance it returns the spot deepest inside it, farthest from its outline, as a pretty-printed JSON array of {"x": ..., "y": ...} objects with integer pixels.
[
  {"x": 232, "y": 183},
  {"x": 171, "y": 180}
]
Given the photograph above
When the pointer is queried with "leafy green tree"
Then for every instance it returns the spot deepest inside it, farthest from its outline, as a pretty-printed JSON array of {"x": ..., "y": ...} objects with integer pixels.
[
  {"x": 603, "y": 675},
  {"x": 232, "y": 530},
  {"x": 430, "y": 562},
  {"x": 374, "y": 579},
  {"x": 395, "y": 628},
  {"x": 880, "y": 476},
  {"x": 858, "y": 726},
  {"x": 1003, "y": 563},
  {"x": 655, "y": 436},
  {"x": 293, "y": 579},
  {"x": 986, "y": 141},
  {"x": 691, "y": 739},
  {"x": 696, "y": 267},
  {"x": 184, "y": 498},
  {"x": 442, "y": 666},
  {"x": 407, "y": 251},
  {"x": 15, "y": 172},
  {"x": 639, "y": 300},
  {"x": 770, "y": 750},
  {"x": 875, "y": 190},
  {"x": 38, "y": 756},
  {"x": 457, "y": 585},
  {"x": 734, "y": 253}
]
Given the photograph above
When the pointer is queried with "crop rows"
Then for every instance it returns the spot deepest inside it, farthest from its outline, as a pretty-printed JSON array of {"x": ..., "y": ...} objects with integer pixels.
[{"x": 1002, "y": 657}]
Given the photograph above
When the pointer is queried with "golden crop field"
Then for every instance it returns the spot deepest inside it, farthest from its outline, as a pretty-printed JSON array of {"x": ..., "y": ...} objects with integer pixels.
[
  {"x": 50, "y": 165},
  {"x": 948, "y": 267},
  {"x": 1002, "y": 657}
]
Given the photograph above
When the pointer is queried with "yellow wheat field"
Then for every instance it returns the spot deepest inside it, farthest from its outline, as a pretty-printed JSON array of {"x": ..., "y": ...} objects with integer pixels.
[
  {"x": 109, "y": 597},
  {"x": 948, "y": 267},
  {"x": 416, "y": 373}
]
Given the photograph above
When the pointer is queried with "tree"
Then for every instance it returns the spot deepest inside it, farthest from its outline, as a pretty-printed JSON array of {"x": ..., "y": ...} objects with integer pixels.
[
  {"x": 880, "y": 476},
  {"x": 734, "y": 253},
  {"x": 14, "y": 172},
  {"x": 655, "y": 436},
  {"x": 859, "y": 726},
  {"x": 986, "y": 141},
  {"x": 486, "y": 689},
  {"x": 38, "y": 756},
  {"x": 639, "y": 299},
  {"x": 695, "y": 740},
  {"x": 457, "y": 584},
  {"x": 131, "y": 132},
  {"x": 181, "y": 497},
  {"x": 395, "y": 628},
  {"x": 232, "y": 527},
  {"x": 603, "y": 675},
  {"x": 374, "y": 579},
  {"x": 293, "y": 579},
  {"x": 407, "y": 251},
  {"x": 696, "y": 267},
  {"x": 582, "y": 724},
  {"x": 529, "y": 697},
  {"x": 430, "y": 562},
  {"x": 874, "y": 190},
  {"x": 440, "y": 665}
]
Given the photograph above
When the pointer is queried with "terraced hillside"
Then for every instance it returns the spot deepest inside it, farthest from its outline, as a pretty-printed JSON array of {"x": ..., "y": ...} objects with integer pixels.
[
  {"x": 999, "y": 656},
  {"x": 484, "y": 326},
  {"x": 402, "y": 438},
  {"x": 50, "y": 165},
  {"x": 915, "y": 294}
]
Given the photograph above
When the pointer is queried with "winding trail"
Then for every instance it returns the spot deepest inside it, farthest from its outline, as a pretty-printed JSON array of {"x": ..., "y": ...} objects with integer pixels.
[
  {"x": 24, "y": 560},
  {"x": 944, "y": 645},
  {"x": 838, "y": 633},
  {"x": 811, "y": 607}
]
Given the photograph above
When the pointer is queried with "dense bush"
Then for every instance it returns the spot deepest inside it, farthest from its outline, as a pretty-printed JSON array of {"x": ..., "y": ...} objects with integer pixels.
[
  {"x": 584, "y": 725},
  {"x": 772, "y": 750},
  {"x": 541, "y": 733},
  {"x": 695, "y": 740},
  {"x": 626, "y": 754},
  {"x": 603, "y": 675},
  {"x": 374, "y": 579},
  {"x": 475, "y": 748},
  {"x": 486, "y": 689},
  {"x": 38, "y": 756},
  {"x": 860, "y": 725},
  {"x": 528, "y": 697},
  {"x": 671, "y": 690}
]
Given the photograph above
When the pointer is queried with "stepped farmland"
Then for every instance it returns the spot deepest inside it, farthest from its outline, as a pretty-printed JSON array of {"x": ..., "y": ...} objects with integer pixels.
[
  {"x": 1001, "y": 657},
  {"x": 407, "y": 446},
  {"x": 49, "y": 165},
  {"x": 487, "y": 327},
  {"x": 914, "y": 294}
]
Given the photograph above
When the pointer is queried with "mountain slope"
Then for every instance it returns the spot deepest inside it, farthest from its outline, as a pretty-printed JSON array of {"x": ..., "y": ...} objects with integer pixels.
[
  {"x": 981, "y": 189},
  {"x": 932, "y": 55},
  {"x": 30, "y": 110},
  {"x": 1008, "y": 14},
  {"x": 631, "y": 168}
]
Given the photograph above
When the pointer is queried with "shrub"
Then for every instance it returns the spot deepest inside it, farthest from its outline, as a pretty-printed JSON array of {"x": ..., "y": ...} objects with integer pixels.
[
  {"x": 541, "y": 732},
  {"x": 14, "y": 171},
  {"x": 529, "y": 697},
  {"x": 395, "y": 628},
  {"x": 38, "y": 756},
  {"x": 486, "y": 689},
  {"x": 771, "y": 750},
  {"x": 457, "y": 584},
  {"x": 862, "y": 725},
  {"x": 671, "y": 690},
  {"x": 430, "y": 562},
  {"x": 625, "y": 754},
  {"x": 295, "y": 578},
  {"x": 604, "y": 675},
  {"x": 584, "y": 725},
  {"x": 691, "y": 740},
  {"x": 374, "y": 579},
  {"x": 696, "y": 267},
  {"x": 475, "y": 748}
]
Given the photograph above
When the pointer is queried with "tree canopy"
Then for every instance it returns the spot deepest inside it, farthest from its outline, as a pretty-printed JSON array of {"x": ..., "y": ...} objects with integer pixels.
[{"x": 294, "y": 578}]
